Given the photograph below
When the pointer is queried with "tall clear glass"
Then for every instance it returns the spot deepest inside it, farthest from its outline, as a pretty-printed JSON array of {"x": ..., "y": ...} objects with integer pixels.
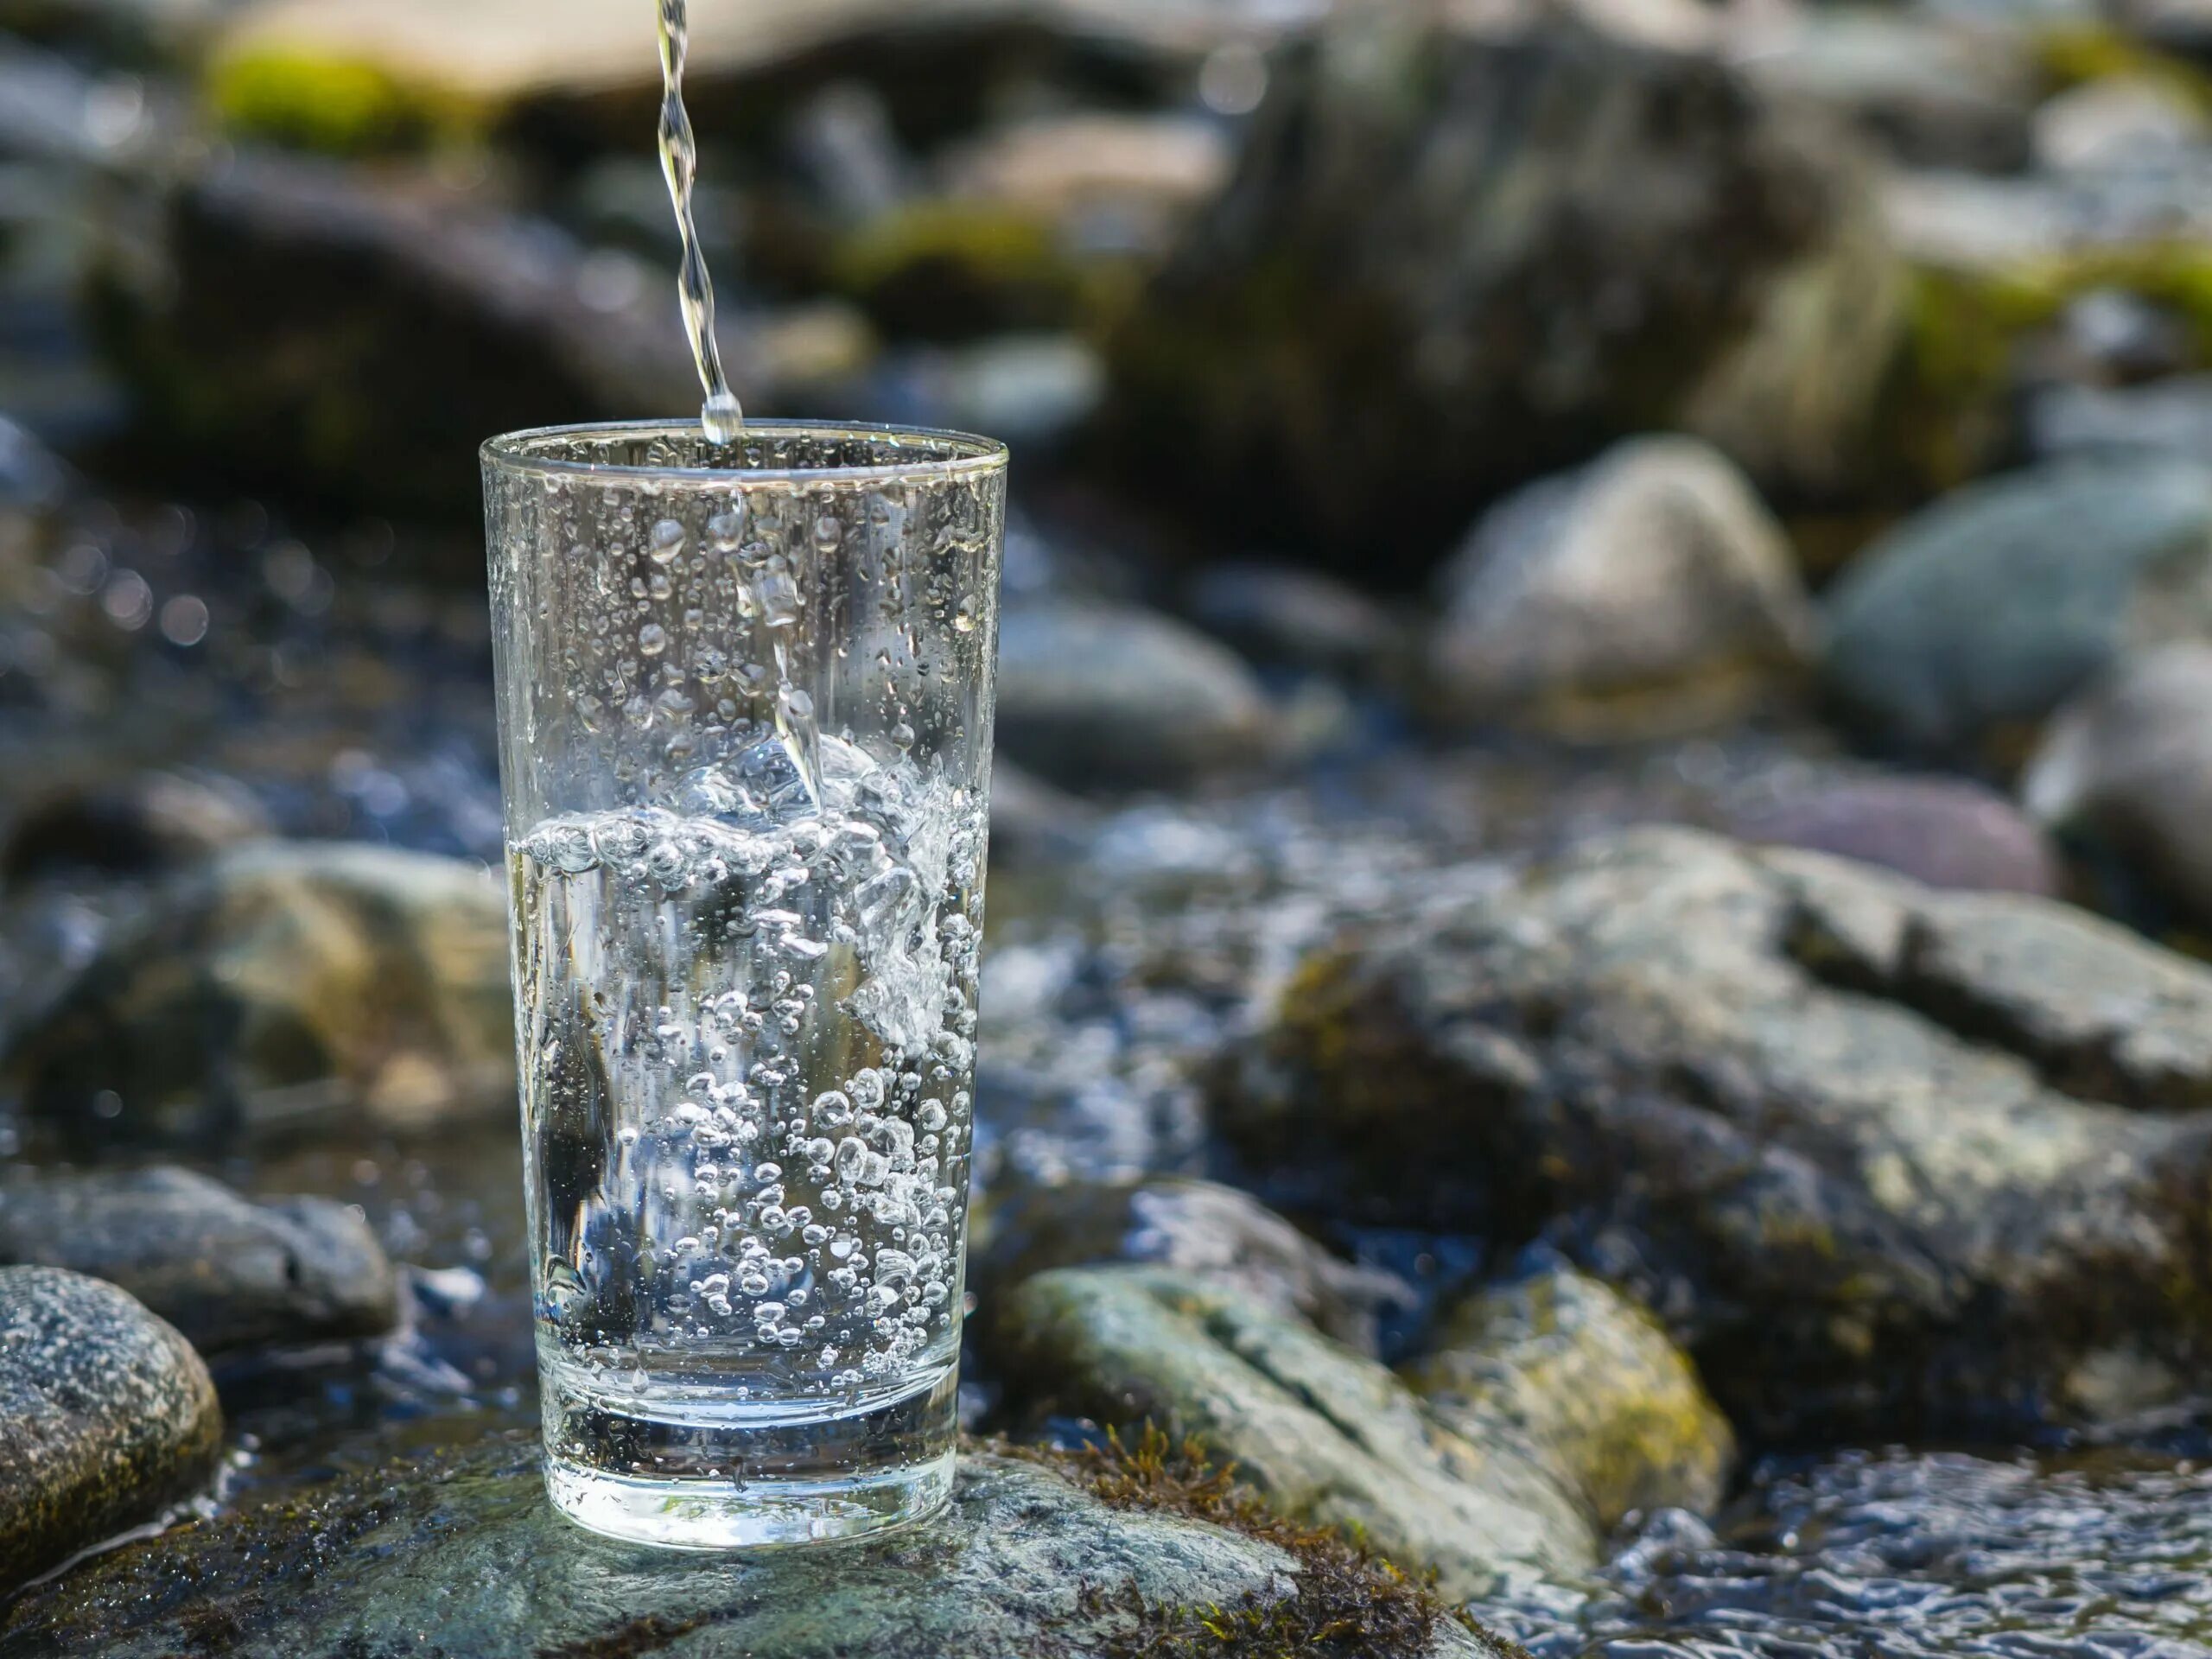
[{"x": 745, "y": 713}]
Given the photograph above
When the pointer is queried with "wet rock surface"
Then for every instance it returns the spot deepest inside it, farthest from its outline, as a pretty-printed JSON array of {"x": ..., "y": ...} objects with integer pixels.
[
  {"x": 1883, "y": 1156},
  {"x": 107, "y": 1417},
  {"x": 1943, "y": 832},
  {"x": 225, "y": 1272},
  {"x": 281, "y": 987},
  {"x": 466, "y": 1555}
]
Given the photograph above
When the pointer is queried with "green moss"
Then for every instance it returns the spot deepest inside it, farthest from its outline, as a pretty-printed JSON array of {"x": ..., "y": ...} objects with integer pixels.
[
  {"x": 340, "y": 105},
  {"x": 940, "y": 267},
  {"x": 1349, "y": 1600},
  {"x": 2073, "y": 54}
]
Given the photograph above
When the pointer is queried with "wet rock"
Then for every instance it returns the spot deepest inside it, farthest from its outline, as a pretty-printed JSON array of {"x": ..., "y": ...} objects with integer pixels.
[
  {"x": 463, "y": 1554},
  {"x": 1929, "y": 92},
  {"x": 1945, "y": 832},
  {"x": 2129, "y": 762},
  {"x": 226, "y": 1272},
  {"x": 1501, "y": 248},
  {"x": 285, "y": 987},
  {"x": 1883, "y": 1156},
  {"x": 311, "y": 315},
  {"x": 1323, "y": 1434},
  {"x": 1214, "y": 1235},
  {"x": 1649, "y": 591},
  {"x": 1284, "y": 616},
  {"x": 107, "y": 1417},
  {"x": 151, "y": 821},
  {"x": 1092, "y": 694},
  {"x": 1969, "y": 622},
  {"x": 1586, "y": 1381},
  {"x": 2172, "y": 416}
]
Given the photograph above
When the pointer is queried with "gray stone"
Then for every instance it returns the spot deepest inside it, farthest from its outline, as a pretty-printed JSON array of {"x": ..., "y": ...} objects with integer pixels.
[
  {"x": 151, "y": 821},
  {"x": 1932, "y": 93},
  {"x": 1104, "y": 694},
  {"x": 225, "y": 1271},
  {"x": 462, "y": 1554},
  {"x": 2129, "y": 761},
  {"x": 1969, "y": 622},
  {"x": 282, "y": 989},
  {"x": 2172, "y": 416},
  {"x": 1945, "y": 832},
  {"x": 1649, "y": 591},
  {"x": 1882, "y": 1154},
  {"x": 1452, "y": 259},
  {"x": 2120, "y": 121},
  {"x": 1295, "y": 619},
  {"x": 1331, "y": 1437},
  {"x": 1214, "y": 1234},
  {"x": 1033, "y": 822},
  {"x": 107, "y": 1417}
]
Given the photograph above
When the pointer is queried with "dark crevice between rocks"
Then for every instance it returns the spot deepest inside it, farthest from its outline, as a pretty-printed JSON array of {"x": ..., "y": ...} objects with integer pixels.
[{"x": 1349, "y": 1602}]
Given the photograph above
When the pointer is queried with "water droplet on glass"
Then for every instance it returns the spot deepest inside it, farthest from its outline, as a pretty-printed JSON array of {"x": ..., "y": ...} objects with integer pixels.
[
  {"x": 667, "y": 541},
  {"x": 652, "y": 639}
]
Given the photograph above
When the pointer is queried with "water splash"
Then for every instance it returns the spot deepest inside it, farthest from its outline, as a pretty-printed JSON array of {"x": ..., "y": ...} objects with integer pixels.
[{"x": 721, "y": 414}]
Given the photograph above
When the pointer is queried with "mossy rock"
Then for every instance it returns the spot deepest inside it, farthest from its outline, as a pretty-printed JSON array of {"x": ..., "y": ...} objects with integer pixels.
[
  {"x": 1039, "y": 1558},
  {"x": 940, "y": 270},
  {"x": 346, "y": 106}
]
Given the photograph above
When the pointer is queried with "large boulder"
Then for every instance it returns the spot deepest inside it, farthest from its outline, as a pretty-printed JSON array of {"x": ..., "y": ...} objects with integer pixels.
[
  {"x": 1454, "y": 258},
  {"x": 2129, "y": 763},
  {"x": 1329, "y": 1436},
  {"x": 285, "y": 987},
  {"x": 225, "y": 1271},
  {"x": 107, "y": 1417},
  {"x": 461, "y": 1554},
  {"x": 1969, "y": 622},
  {"x": 1648, "y": 591},
  {"x": 1882, "y": 1154}
]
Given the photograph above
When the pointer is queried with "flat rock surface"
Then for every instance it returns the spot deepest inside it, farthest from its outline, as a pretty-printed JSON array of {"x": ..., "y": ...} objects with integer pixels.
[{"x": 466, "y": 1556}]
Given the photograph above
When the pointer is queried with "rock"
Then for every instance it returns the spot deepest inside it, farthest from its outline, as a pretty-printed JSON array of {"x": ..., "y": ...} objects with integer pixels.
[
  {"x": 1115, "y": 183},
  {"x": 1944, "y": 832},
  {"x": 285, "y": 987},
  {"x": 310, "y": 315},
  {"x": 2172, "y": 416},
  {"x": 1972, "y": 621},
  {"x": 2129, "y": 761},
  {"x": 1323, "y": 1434},
  {"x": 1283, "y": 617},
  {"x": 1452, "y": 259},
  {"x": 1094, "y": 694},
  {"x": 1030, "y": 389},
  {"x": 226, "y": 1272},
  {"x": 152, "y": 820},
  {"x": 1034, "y": 823},
  {"x": 1649, "y": 591},
  {"x": 1214, "y": 1235},
  {"x": 1883, "y": 1156},
  {"x": 2118, "y": 122},
  {"x": 1586, "y": 1381},
  {"x": 461, "y": 1554},
  {"x": 107, "y": 1417},
  {"x": 1930, "y": 93}
]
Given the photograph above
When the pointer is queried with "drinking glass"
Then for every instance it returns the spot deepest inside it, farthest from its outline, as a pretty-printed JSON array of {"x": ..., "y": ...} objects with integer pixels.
[{"x": 744, "y": 730}]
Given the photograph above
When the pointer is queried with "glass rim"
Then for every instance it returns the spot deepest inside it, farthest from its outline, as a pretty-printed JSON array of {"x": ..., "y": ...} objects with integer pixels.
[{"x": 960, "y": 454}]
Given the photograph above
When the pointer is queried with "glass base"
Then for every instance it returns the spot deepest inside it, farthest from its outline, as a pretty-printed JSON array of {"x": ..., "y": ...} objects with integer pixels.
[
  {"x": 717, "y": 1467},
  {"x": 699, "y": 1514}
]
